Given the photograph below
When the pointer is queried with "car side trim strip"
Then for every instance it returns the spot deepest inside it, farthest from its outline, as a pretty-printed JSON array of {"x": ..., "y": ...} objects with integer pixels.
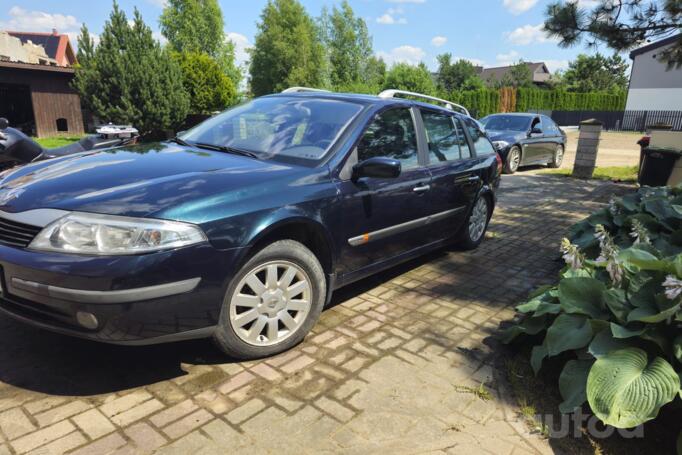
[
  {"x": 107, "y": 297},
  {"x": 403, "y": 227}
]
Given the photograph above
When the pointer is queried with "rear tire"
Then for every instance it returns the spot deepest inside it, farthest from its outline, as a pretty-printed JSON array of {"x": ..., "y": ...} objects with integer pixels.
[
  {"x": 558, "y": 157},
  {"x": 474, "y": 229},
  {"x": 272, "y": 302},
  {"x": 513, "y": 161}
]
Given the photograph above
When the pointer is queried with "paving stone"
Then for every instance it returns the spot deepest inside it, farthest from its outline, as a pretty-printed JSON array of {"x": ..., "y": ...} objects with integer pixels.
[
  {"x": 124, "y": 403},
  {"x": 145, "y": 437},
  {"x": 94, "y": 424},
  {"x": 103, "y": 446},
  {"x": 15, "y": 423},
  {"x": 241, "y": 379},
  {"x": 138, "y": 412},
  {"x": 61, "y": 445},
  {"x": 266, "y": 371},
  {"x": 245, "y": 411},
  {"x": 173, "y": 413},
  {"x": 42, "y": 437},
  {"x": 297, "y": 364},
  {"x": 61, "y": 412},
  {"x": 335, "y": 409},
  {"x": 187, "y": 424}
]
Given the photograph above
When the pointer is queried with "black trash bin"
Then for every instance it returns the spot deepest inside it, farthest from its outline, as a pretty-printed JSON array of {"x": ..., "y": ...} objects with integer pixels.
[{"x": 657, "y": 165}]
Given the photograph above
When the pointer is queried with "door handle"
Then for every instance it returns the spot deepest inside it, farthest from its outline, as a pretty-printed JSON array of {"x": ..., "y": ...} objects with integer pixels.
[{"x": 421, "y": 188}]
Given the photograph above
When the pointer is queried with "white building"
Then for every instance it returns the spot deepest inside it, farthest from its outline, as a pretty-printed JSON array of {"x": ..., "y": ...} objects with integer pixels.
[{"x": 654, "y": 86}]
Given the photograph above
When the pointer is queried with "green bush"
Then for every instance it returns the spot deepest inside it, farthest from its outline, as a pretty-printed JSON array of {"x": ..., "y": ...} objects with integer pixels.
[
  {"x": 615, "y": 316},
  {"x": 208, "y": 87},
  {"x": 528, "y": 99}
]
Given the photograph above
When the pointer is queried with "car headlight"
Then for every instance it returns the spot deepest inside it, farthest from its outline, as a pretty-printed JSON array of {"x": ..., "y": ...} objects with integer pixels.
[
  {"x": 501, "y": 145},
  {"x": 88, "y": 233}
]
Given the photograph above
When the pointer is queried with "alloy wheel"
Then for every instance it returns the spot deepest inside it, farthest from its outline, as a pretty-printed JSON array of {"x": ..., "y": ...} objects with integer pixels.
[
  {"x": 478, "y": 219},
  {"x": 514, "y": 159},
  {"x": 270, "y": 303},
  {"x": 559, "y": 155}
]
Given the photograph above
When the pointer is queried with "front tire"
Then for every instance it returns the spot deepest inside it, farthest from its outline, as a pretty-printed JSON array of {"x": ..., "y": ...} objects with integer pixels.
[
  {"x": 558, "y": 157},
  {"x": 476, "y": 224},
  {"x": 272, "y": 302},
  {"x": 513, "y": 160}
]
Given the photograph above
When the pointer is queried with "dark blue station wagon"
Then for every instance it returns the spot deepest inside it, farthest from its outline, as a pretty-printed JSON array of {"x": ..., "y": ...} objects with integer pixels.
[{"x": 240, "y": 228}]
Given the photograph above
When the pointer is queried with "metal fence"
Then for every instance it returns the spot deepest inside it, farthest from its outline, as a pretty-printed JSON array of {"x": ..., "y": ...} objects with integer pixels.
[{"x": 621, "y": 120}]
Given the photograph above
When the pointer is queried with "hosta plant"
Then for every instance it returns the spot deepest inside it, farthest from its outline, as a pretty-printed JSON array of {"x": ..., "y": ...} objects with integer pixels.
[{"x": 616, "y": 313}]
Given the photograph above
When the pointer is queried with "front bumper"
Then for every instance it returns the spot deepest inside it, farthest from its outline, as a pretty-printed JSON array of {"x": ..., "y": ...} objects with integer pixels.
[{"x": 144, "y": 299}]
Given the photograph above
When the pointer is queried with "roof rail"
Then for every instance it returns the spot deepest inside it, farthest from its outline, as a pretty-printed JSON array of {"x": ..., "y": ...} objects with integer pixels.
[
  {"x": 303, "y": 89},
  {"x": 448, "y": 104}
]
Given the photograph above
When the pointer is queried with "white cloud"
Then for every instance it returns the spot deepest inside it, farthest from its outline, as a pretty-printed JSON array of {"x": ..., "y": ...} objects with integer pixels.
[
  {"x": 158, "y": 3},
  {"x": 22, "y": 20},
  {"x": 241, "y": 47},
  {"x": 439, "y": 41},
  {"x": 507, "y": 59},
  {"x": 555, "y": 65},
  {"x": 390, "y": 17},
  {"x": 528, "y": 34},
  {"x": 519, "y": 6},
  {"x": 403, "y": 54},
  {"x": 588, "y": 4}
]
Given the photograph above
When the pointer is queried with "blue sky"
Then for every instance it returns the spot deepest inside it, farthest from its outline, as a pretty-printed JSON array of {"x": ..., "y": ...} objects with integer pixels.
[{"x": 487, "y": 32}]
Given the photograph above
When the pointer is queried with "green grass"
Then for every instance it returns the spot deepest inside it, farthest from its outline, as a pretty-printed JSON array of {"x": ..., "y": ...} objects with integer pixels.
[
  {"x": 619, "y": 173},
  {"x": 57, "y": 141}
]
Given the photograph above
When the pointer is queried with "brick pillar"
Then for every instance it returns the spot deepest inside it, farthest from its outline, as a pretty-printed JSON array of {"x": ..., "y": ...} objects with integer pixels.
[{"x": 588, "y": 145}]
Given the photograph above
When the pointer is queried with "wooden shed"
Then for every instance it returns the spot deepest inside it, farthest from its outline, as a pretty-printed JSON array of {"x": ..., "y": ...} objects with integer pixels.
[{"x": 39, "y": 99}]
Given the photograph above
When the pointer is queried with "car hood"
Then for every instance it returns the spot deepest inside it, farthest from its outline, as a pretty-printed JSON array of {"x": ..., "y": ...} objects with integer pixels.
[
  {"x": 508, "y": 136},
  {"x": 163, "y": 180}
]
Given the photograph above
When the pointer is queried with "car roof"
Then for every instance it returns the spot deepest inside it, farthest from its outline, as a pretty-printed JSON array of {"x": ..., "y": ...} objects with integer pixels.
[
  {"x": 363, "y": 99},
  {"x": 516, "y": 114}
]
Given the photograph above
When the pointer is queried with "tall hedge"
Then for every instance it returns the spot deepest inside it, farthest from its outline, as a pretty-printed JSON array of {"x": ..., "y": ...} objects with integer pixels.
[{"x": 560, "y": 100}]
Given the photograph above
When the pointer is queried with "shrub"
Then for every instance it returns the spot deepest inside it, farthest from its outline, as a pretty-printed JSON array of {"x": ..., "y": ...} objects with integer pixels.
[
  {"x": 208, "y": 87},
  {"x": 615, "y": 315}
]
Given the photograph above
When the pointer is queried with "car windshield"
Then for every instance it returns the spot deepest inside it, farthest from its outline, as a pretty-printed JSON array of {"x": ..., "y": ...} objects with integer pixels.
[
  {"x": 293, "y": 129},
  {"x": 506, "y": 123}
]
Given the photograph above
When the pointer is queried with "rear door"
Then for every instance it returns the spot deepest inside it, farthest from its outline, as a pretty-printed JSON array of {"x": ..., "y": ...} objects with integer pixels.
[
  {"x": 454, "y": 177},
  {"x": 383, "y": 218}
]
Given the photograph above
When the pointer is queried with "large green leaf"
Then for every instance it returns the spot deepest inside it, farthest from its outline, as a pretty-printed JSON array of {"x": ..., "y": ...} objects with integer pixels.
[
  {"x": 661, "y": 309},
  {"x": 568, "y": 332},
  {"x": 604, "y": 342},
  {"x": 624, "y": 389},
  {"x": 677, "y": 348},
  {"x": 619, "y": 331},
  {"x": 537, "y": 355},
  {"x": 573, "y": 384},
  {"x": 582, "y": 296},
  {"x": 616, "y": 301},
  {"x": 529, "y": 326},
  {"x": 643, "y": 259}
]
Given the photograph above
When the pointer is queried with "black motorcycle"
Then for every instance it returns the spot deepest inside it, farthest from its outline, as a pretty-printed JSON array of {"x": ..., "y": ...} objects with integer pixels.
[{"x": 16, "y": 148}]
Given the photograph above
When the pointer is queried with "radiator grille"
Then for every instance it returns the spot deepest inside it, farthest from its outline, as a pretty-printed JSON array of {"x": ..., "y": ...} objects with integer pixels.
[{"x": 17, "y": 234}]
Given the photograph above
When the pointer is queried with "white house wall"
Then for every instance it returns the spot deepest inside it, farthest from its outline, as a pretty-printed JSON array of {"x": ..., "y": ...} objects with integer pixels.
[{"x": 652, "y": 85}]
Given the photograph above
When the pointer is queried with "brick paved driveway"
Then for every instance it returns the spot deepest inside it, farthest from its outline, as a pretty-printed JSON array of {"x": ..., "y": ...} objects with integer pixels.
[{"x": 390, "y": 367}]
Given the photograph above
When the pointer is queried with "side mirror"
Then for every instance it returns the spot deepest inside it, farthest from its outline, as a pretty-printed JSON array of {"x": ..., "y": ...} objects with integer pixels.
[
  {"x": 535, "y": 131},
  {"x": 377, "y": 167},
  {"x": 4, "y": 123}
]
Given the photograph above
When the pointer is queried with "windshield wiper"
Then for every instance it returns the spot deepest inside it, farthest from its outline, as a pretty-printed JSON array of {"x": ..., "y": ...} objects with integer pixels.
[
  {"x": 181, "y": 141},
  {"x": 227, "y": 149}
]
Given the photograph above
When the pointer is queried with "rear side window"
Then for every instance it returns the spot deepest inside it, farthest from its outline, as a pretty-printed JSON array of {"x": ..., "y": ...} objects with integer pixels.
[
  {"x": 482, "y": 144},
  {"x": 391, "y": 134},
  {"x": 548, "y": 125},
  {"x": 441, "y": 137}
]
